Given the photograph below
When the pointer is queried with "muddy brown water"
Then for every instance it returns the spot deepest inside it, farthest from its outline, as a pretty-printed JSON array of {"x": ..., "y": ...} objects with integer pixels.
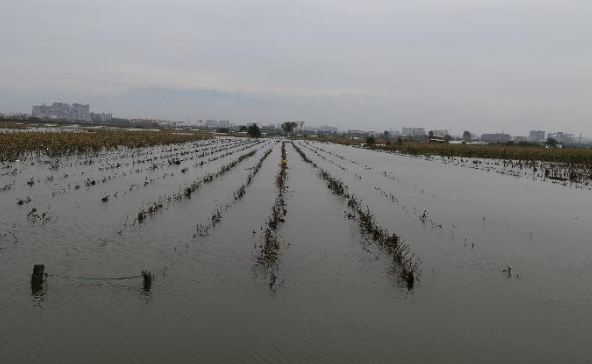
[{"x": 335, "y": 299}]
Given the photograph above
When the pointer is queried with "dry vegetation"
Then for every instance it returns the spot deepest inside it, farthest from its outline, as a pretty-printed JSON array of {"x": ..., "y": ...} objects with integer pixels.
[
  {"x": 7, "y": 124},
  {"x": 524, "y": 153},
  {"x": 13, "y": 145}
]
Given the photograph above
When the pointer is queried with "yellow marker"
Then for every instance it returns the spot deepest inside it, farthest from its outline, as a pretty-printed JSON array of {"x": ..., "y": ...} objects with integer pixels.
[{"x": 284, "y": 163}]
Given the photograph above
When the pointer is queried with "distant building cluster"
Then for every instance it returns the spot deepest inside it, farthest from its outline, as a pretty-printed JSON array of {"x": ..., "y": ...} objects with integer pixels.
[
  {"x": 62, "y": 111},
  {"x": 215, "y": 124},
  {"x": 496, "y": 138},
  {"x": 81, "y": 112},
  {"x": 271, "y": 128},
  {"x": 357, "y": 133},
  {"x": 328, "y": 129},
  {"x": 534, "y": 136},
  {"x": 413, "y": 132},
  {"x": 563, "y": 138},
  {"x": 100, "y": 117},
  {"x": 560, "y": 137},
  {"x": 442, "y": 135}
]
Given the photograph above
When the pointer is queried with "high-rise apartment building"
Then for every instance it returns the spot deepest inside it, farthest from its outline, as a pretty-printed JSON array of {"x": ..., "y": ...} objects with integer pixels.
[
  {"x": 536, "y": 135},
  {"x": 62, "y": 111},
  {"x": 100, "y": 117},
  {"x": 413, "y": 132}
]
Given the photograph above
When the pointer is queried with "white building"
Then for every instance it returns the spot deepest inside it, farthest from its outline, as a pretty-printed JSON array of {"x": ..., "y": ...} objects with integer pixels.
[
  {"x": 100, "y": 117},
  {"x": 299, "y": 126},
  {"x": 536, "y": 135},
  {"x": 413, "y": 132},
  {"x": 211, "y": 123},
  {"x": 80, "y": 112},
  {"x": 224, "y": 123}
]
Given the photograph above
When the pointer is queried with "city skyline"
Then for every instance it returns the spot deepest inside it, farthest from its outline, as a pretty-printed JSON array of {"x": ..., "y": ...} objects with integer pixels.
[
  {"x": 81, "y": 112},
  {"x": 154, "y": 97}
]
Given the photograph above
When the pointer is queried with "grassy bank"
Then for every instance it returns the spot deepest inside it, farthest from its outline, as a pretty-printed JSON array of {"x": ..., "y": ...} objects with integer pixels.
[{"x": 524, "y": 153}]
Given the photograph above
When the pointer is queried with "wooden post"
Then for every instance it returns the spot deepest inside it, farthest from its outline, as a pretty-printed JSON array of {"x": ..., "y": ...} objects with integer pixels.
[
  {"x": 37, "y": 279},
  {"x": 38, "y": 270},
  {"x": 147, "y": 278}
]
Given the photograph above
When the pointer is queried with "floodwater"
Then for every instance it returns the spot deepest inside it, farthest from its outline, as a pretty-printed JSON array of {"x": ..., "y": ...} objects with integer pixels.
[{"x": 335, "y": 297}]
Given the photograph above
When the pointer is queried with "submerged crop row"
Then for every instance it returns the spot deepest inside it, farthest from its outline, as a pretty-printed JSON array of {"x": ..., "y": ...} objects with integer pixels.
[
  {"x": 404, "y": 259},
  {"x": 113, "y": 172},
  {"x": 270, "y": 246},
  {"x": 216, "y": 217},
  {"x": 387, "y": 196},
  {"x": 188, "y": 190}
]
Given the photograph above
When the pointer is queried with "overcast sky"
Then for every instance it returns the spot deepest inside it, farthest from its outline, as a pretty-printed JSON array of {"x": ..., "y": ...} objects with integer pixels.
[{"x": 482, "y": 65}]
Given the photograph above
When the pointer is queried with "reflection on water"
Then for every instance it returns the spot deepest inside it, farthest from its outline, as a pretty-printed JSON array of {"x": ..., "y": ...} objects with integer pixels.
[{"x": 38, "y": 292}]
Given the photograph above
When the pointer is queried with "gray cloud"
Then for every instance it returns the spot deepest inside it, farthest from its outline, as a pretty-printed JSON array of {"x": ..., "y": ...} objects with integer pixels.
[{"x": 485, "y": 65}]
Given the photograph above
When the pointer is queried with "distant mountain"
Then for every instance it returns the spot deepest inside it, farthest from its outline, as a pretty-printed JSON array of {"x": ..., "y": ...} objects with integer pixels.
[{"x": 181, "y": 104}]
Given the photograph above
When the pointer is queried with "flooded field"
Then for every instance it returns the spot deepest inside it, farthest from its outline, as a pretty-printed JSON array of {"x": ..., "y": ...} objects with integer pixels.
[{"x": 345, "y": 255}]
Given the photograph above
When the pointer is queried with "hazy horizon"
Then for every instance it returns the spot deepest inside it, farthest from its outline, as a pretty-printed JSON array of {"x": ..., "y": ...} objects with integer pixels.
[{"x": 484, "y": 66}]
